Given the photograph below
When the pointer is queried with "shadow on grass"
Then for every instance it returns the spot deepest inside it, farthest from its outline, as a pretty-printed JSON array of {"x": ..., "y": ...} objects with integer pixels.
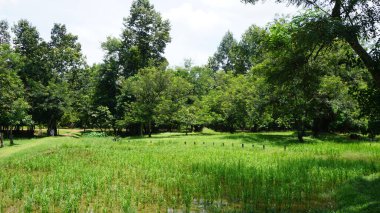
[
  {"x": 342, "y": 138},
  {"x": 274, "y": 139},
  {"x": 360, "y": 195},
  {"x": 281, "y": 139},
  {"x": 171, "y": 135}
]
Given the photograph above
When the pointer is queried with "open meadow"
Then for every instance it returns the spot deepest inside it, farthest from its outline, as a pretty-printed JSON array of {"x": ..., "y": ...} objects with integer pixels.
[{"x": 208, "y": 172}]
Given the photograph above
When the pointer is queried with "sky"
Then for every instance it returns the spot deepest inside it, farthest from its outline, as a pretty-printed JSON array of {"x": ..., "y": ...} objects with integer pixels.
[{"x": 197, "y": 25}]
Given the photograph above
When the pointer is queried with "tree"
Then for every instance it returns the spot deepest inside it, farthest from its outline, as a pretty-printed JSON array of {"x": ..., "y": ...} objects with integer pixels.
[
  {"x": 13, "y": 107},
  {"x": 102, "y": 118},
  {"x": 67, "y": 68},
  {"x": 250, "y": 49},
  {"x": 224, "y": 56},
  {"x": 107, "y": 85},
  {"x": 29, "y": 45},
  {"x": 65, "y": 57},
  {"x": 176, "y": 95},
  {"x": 50, "y": 73},
  {"x": 147, "y": 88},
  {"x": 369, "y": 102},
  {"x": 34, "y": 72},
  {"x": 5, "y": 37},
  {"x": 357, "y": 22},
  {"x": 144, "y": 38},
  {"x": 227, "y": 103},
  {"x": 306, "y": 91}
]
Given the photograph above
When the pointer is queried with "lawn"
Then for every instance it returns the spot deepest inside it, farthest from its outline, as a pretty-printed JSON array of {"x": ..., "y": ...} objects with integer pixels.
[{"x": 171, "y": 172}]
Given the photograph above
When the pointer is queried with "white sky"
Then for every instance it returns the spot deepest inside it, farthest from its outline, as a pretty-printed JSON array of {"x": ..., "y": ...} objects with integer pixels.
[{"x": 197, "y": 25}]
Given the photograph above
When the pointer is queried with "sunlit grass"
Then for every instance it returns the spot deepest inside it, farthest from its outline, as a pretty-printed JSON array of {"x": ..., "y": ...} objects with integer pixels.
[{"x": 210, "y": 171}]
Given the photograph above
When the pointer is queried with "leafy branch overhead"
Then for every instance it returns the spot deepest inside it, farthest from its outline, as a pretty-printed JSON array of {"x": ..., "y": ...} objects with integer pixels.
[{"x": 356, "y": 22}]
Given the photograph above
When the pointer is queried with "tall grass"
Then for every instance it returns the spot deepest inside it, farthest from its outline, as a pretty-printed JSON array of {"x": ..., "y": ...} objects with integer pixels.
[{"x": 164, "y": 173}]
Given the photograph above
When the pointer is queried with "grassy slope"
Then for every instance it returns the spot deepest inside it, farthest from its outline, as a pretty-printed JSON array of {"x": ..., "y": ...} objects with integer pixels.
[{"x": 143, "y": 174}]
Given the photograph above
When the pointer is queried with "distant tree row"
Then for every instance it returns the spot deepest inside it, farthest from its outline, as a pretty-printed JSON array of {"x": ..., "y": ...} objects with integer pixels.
[{"x": 273, "y": 78}]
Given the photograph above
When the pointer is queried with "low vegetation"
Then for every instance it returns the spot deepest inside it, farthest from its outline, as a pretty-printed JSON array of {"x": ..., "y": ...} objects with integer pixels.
[{"x": 215, "y": 172}]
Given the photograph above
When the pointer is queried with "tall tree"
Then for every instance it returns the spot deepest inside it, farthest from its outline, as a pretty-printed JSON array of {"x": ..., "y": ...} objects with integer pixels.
[
  {"x": 147, "y": 87},
  {"x": 224, "y": 57},
  {"x": 250, "y": 49},
  {"x": 65, "y": 56},
  {"x": 68, "y": 67},
  {"x": 357, "y": 22},
  {"x": 13, "y": 107},
  {"x": 30, "y": 46},
  {"x": 107, "y": 86},
  {"x": 144, "y": 38},
  {"x": 5, "y": 37}
]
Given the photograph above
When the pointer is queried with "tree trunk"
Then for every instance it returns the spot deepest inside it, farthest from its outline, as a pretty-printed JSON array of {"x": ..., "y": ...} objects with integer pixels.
[
  {"x": 141, "y": 129},
  {"x": 150, "y": 128},
  {"x": 11, "y": 136},
  {"x": 1, "y": 140},
  {"x": 300, "y": 135},
  {"x": 52, "y": 128},
  {"x": 300, "y": 130}
]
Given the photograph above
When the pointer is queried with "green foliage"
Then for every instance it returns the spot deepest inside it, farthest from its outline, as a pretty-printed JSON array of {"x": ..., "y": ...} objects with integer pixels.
[
  {"x": 101, "y": 118},
  {"x": 143, "y": 39},
  {"x": 13, "y": 107},
  {"x": 223, "y": 58},
  {"x": 94, "y": 134},
  {"x": 353, "y": 21},
  {"x": 5, "y": 37}
]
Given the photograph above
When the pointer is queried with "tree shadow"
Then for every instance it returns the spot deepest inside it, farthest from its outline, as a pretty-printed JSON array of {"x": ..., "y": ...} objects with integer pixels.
[
  {"x": 277, "y": 139},
  {"x": 281, "y": 139},
  {"x": 360, "y": 195},
  {"x": 342, "y": 138}
]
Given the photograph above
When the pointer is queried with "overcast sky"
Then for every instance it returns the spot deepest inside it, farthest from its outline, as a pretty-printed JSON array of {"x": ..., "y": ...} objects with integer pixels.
[{"x": 197, "y": 25}]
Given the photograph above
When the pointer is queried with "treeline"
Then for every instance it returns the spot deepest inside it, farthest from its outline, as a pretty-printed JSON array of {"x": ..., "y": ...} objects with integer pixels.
[{"x": 273, "y": 78}]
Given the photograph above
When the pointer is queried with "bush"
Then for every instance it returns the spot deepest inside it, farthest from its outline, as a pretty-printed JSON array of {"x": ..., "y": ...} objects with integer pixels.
[{"x": 94, "y": 134}]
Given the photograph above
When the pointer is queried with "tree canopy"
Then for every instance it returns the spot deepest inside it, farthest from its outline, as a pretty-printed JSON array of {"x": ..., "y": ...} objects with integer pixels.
[{"x": 357, "y": 22}]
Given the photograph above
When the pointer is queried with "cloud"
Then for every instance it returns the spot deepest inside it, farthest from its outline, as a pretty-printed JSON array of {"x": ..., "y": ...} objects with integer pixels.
[
  {"x": 220, "y": 3},
  {"x": 4, "y": 3}
]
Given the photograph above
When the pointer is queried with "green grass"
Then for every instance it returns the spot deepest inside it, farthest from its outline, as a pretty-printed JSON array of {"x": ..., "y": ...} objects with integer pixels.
[{"x": 170, "y": 172}]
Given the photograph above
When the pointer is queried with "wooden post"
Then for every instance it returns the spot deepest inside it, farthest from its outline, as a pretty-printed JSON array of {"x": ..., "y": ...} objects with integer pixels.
[{"x": 242, "y": 145}]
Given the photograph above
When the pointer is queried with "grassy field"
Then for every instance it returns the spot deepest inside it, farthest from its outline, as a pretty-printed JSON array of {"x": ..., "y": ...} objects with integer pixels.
[{"x": 207, "y": 172}]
